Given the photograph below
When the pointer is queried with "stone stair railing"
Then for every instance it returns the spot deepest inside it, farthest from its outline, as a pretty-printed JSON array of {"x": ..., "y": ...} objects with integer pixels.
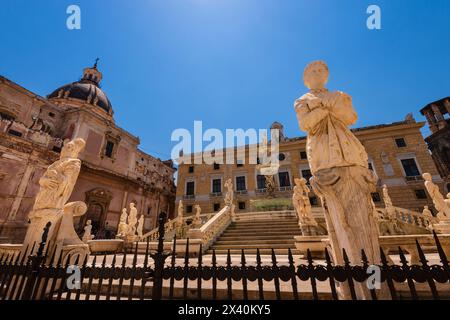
[
  {"x": 213, "y": 228},
  {"x": 409, "y": 217},
  {"x": 173, "y": 227}
]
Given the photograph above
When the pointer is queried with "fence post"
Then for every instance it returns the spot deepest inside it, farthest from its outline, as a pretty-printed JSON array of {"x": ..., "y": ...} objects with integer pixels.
[
  {"x": 159, "y": 258},
  {"x": 35, "y": 263}
]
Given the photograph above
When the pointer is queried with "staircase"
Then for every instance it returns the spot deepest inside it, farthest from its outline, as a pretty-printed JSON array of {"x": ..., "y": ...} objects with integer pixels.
[{"x": 264, "y": 232}]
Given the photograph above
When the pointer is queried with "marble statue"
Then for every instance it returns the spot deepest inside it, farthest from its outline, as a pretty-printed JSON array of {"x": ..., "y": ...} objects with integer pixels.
[
  {"x": 87, "y": 235},
  {"x": 197, "y": 222},
  {"x": 339, "y": 165},
  {"x": 122, "y": 230},
  {"x": 56, "y": 186},
  {"x": 140, "y": 226},
  {"x": 438, "y": 199},
  {"x": 429, "y": 216},
  {"x": 390, "y": 209},
  {"x": 230, "y": 192},
  {"x": 302, "y": 205},
  {"x": 132, "y": 220}
]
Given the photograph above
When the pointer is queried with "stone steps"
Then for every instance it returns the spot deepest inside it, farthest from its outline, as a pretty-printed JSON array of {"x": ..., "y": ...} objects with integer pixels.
[
  {"x": 223, "y": 242},
  {"x": 265, "y": 232}
]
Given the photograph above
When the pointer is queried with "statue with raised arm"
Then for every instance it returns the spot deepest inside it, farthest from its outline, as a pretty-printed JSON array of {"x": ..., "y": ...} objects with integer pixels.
[
  {"x": 339, "y": 165},
  {"x": 56, "y": 186},
  {"x": 440, "y": 204}
]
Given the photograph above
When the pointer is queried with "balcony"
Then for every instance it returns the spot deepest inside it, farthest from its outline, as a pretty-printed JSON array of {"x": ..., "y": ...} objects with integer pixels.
[
  {"x": 189, "y": 197},
  {"x": 284, "y": 189},
  {"x": 413, "y": 179},
  {"x": 240, "y": 192},
  {"x": 261, "y": 191},
  {"x": 215, "y": 194}
]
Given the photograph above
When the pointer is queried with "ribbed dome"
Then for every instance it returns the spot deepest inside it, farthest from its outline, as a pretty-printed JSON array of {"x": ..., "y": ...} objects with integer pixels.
[
  {"x": 87, "y": 90},
  {"x": 83, "y": 90}
]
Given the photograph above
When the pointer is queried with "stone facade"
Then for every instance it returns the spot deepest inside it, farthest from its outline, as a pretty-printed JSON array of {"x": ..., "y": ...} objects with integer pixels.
[
  {"x": 438, "y": 118},
  {"x": 397, "y": 153},
  {"x": 114, "y": 171}
]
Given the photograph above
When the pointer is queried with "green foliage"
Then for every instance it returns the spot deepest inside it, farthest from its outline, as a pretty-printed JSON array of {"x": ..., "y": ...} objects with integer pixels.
[{"x": 276, "y": 204}]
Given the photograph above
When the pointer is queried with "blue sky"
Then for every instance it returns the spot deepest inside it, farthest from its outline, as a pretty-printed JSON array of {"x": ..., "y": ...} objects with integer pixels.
[{"x": 230, "y": 63}]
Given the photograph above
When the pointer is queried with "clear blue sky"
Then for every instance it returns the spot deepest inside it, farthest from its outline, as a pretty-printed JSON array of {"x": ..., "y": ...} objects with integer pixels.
[{"x": 230, "y": 63}]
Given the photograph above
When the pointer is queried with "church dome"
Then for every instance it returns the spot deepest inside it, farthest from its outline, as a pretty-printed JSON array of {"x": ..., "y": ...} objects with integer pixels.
[{"x": 87, "y": 89}]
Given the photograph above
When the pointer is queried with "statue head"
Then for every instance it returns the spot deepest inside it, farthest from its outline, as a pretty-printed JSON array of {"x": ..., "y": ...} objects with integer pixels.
[
  {"x": 426, "y": 176},
  {"x": 425, "y": 207},
  {"x": 88, "y": 223},
  {"x": 132, "y": 205},
  {"x": 316, "y": 75},
  {"x": 72, "y": 148}
]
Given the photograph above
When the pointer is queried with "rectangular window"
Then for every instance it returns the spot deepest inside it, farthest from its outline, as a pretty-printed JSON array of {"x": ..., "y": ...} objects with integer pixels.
[
  {"x": 420, "y": 194},
  {"x": 306, "y": 174},
  {"x": 191, "y": 169},
  {"x": 410, "y": 167},
  {"x": 284, "y": 179},
  {"x": 400, "y": 142},
  {"x": 217, "y": 185},
  {"x": 261, "y": 181},
  {"x": 303, "y": 155},
  {"x": 313, "y": 201},
  {"x": 15, "y": 133},
  {"x": 190, "y": 187},
  {"x": 216, "y": 166},
  {"x": 241, "y": 205},
  {"x": 216, "y": 207},
  {"x": 240, "y": 183},
  {"x": 109, "y": 149},
  {"x": 370, "y": 166},
  {"x": 189, "y": 209}
]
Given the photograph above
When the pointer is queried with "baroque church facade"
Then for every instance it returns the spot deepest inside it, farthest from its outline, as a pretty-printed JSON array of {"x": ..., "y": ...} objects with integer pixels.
[{"x": 114, "y": 171}]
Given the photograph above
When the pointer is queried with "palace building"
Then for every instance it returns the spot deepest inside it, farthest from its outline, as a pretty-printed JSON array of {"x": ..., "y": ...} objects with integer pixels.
[
  {"x": 397, "y": 153},
  {"x": 114, "y": 171}
]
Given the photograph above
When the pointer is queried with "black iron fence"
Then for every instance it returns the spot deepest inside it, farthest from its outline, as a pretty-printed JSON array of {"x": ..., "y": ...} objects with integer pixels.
[{"x": 161, "y": 275}]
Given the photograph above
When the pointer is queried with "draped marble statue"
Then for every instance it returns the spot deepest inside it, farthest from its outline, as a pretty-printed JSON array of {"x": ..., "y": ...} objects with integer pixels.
[
  {"x": 56, "y": 186},
  {"x": 302, "y": 205},
  {"x": 122, "y": 229},
  {"x": 339, "y": 165},
  {"x": 197, "y": 222},
  {"x": 230, "y": 192}
]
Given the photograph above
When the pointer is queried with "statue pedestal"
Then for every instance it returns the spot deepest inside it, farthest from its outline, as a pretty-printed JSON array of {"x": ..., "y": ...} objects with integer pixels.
[
  {"x": 309, "y": 229},
  {"x": 314, "y": 243}
]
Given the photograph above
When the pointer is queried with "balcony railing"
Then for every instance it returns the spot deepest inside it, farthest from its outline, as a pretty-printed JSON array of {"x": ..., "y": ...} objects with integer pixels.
[
  {"x": 215, "y": 194},
  {"x": 240, "y": 192},
  {"x": 189, "y": 197},
  {"x": 413, "y": 178},
  {"x": 260, "y": 191},
  {"x": 282, "y": 189}
]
